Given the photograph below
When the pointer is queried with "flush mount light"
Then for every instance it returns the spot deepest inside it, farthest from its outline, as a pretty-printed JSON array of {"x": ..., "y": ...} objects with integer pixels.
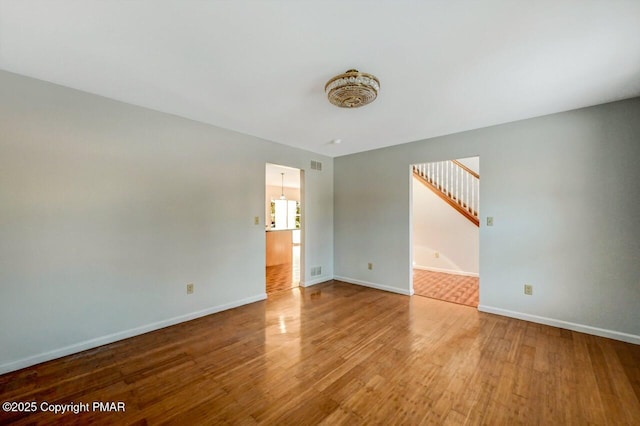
[{"x": 352, "y": 89}]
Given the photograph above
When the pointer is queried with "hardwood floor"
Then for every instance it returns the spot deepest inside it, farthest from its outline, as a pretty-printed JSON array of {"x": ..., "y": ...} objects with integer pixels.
[
  {"x": 337, "y": 353},
  {"x": 286, "y": 275},
  {"x": 279, "y": 277},
  {"x": 448, "y": 287}
]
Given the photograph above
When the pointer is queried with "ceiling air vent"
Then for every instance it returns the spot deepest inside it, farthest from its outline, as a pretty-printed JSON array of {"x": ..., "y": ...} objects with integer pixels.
[{"x": 316, "y": 165}]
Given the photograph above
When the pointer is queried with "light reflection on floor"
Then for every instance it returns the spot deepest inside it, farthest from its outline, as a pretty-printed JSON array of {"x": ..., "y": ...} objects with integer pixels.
[{"x": 284, "y": 276}]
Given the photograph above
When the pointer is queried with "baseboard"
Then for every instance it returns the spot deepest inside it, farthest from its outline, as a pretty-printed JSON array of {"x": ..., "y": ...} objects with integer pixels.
[
  {"x": 611, "y": 334},
  {"x": 446, "y": 271},
  {"x": 374, "y": 285},
  {"x": 99, "y": 341},
  {"x": 320, "y": 280}
]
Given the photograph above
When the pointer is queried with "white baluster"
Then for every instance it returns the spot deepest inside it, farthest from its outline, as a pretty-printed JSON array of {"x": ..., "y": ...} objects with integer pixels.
[
  {"x": 449, "y": 178},
  {"x": 458, "y": 185},
  {"x": 473, "y": 198},
  {"x": 462, "y": 189},
  {"x": 446, "y": 176},
  {"x": 453, "y": 180},
  {"x": 466, "y": 200},
  {"x": 445, "y": 165},
  {"x": 449, "y": 175},
  {"x": 477, "y": 211},
  {"x": 473, "y": 194}
]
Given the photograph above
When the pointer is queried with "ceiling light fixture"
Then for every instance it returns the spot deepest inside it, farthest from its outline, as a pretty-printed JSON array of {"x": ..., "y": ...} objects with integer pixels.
[{"x": 352, "y": 89}]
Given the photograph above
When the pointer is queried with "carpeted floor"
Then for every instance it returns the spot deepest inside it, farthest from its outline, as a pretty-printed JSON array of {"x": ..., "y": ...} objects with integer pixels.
[{"x": 448, "y": 287}]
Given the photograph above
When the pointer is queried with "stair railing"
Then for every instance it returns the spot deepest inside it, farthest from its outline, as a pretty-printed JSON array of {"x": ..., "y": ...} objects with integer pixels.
[{"x": 455, "y": 183}]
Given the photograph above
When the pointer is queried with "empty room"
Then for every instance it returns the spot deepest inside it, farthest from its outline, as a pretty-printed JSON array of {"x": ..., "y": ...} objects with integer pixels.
[{"x": 217, "y": 212}]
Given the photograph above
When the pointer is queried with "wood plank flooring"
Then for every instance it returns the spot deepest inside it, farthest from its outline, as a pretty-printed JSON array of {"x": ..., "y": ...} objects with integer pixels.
[
  {"x": 448, "y": 287},
  {"x": 280, "y": 277},
  {"x": 284, "y": 276},
  {"x": 336, "y": 353}
]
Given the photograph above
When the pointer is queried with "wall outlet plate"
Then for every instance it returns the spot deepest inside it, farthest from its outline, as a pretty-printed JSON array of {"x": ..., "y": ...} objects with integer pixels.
[
  {"x": 190, "y": 288},
  {"x": 528, "y": 289},
  {"x": 370, "y": 266}
]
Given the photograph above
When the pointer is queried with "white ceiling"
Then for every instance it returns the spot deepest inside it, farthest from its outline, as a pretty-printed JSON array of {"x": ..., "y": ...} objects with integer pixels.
[
  {"x": 259, "y": 67},
  {"x": 274, "y": 177}
]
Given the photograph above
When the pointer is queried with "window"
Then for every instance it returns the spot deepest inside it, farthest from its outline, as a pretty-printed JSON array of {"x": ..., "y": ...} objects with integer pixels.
[{"x": 285, "y": 214}]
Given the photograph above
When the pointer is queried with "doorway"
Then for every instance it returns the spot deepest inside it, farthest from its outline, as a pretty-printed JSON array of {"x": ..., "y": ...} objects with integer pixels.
[
  {"x": 283, "y": 220},
  {"x": 445, "y": 230}
]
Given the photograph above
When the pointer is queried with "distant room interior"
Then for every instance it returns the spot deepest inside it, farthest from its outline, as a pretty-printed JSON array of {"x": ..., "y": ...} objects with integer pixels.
[
  {"x": 270, "y": 212},
  {"x": 283, "y": 227},
  {"x": 446, "y": 211}
]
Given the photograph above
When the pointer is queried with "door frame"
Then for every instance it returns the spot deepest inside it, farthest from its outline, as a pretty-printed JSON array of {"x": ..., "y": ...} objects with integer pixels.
[{"x": 302, "y": 218}]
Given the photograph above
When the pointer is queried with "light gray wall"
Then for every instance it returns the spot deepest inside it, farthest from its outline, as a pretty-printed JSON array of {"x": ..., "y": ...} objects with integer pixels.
[
  {"x": 564, "y": 191},
  {"x": 108, "y": 210}
]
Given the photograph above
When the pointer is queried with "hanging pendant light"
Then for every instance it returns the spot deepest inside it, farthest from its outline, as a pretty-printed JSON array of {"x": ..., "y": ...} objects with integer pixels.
[{"x": 282, "y": 197}]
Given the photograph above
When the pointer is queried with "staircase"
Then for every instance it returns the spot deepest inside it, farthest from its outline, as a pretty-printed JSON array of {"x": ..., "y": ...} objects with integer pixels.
[{"x": 455, "y": 183}]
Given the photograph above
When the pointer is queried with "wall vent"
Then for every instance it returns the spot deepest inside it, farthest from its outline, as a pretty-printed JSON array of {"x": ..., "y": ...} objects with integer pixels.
[
  {"x": 316, "y": 165},
  {"x": 316, "y": 270}
]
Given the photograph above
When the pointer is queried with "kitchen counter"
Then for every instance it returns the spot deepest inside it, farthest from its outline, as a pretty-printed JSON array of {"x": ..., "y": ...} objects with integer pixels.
[{"x": 279, "y": 246}]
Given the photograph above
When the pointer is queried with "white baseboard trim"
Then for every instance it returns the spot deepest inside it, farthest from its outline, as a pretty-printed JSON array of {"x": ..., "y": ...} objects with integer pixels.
[
  {"x": 320, "y": 280},
  {"x": 446, "y": 271},
  {"x": 110, "y": 338},
  {"x": 374, "y": 285},
  {"x": 611, "y": 334}
]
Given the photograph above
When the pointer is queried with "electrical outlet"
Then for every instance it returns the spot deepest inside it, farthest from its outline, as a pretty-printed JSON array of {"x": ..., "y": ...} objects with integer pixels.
[
  {"x": 489, "y": 220},
  {"x": 256, "y": 220},
  {"x": 436, "y": 255},
  {"x": 370, "y": 266},
  {"x": 528, "y": 289},
  {"x": 190, "y": 288}
]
